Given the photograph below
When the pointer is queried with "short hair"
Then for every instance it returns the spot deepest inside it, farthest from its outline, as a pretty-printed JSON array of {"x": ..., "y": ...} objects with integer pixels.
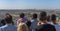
[
  {"x": 7, "y": 14},
  {"x": 53, "y": 17},
  {"x": 8, "y": 19},
  {"x": 34, "y": 15},
  {"x": 28, "y": 23},
  {"x": 43, "y": 15},
  {"x": 22, "y": 15}
]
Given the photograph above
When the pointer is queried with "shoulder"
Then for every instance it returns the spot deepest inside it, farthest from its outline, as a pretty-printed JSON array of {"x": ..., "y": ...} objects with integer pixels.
[
  {"x": 2, "y": 28},
  {"x": 19, "y": 19},
  {"x": 25, "y": 19},
  {"x": 34, "y": 20},
  {"x": 49, "y": 25},
  {"x": 57, "y": 26},
  {"x": 14, "y": 26}
]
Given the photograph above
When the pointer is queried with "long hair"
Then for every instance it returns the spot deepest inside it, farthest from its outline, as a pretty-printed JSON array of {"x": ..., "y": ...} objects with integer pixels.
[
  {"x": 8, "y": 18},
  {"x": 22, "y": 27}
]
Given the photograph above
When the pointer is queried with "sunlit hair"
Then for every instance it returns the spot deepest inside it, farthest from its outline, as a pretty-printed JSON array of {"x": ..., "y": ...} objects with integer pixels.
[{"x": 22, "y": 27}]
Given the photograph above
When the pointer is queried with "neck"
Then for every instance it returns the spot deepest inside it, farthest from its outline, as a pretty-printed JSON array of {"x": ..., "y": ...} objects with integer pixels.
[
  {"x": 21, "y": 17},
  {"x": 35, "y": 18},
  {"x": 53, "y": 23},
  {"x": 43, "y": 22}
]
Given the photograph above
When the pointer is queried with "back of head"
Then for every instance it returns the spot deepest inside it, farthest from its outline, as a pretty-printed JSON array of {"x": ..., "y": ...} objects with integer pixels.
[
  {"x": 22, "y": 15},
  {"x": 34, "y": 15},
  {"x": 7, "y": 14},
  {"x": 8, "y": 19},
  {"x": 43, "y": 16},
  {"x": 28, "y": 23},
  {"x": 53, "y": 17},
  {"x": 22, "y": 27}
]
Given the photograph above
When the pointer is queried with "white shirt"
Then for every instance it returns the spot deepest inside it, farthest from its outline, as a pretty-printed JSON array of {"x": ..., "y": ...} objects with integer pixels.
[
  {"x": 57, "y": 26},
  {"x": 49, "y": 22},
  {"x": 8, "y": 27},
  {"x": 34, "y": 24}
]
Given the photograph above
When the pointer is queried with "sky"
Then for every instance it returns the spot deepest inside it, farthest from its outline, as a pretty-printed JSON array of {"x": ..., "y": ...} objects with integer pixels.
[{"x": 29, "y": 4}]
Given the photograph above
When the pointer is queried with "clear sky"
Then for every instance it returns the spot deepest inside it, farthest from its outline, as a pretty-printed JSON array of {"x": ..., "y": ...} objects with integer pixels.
[{"x": 26, "y": 4}]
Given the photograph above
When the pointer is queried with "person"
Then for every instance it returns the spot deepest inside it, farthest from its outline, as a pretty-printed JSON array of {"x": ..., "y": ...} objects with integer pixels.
[
  {"x": 43, "y": 25},
  {"x": 53, "y": 19},
  {"x": 2, "y": 22},
  {"x": 34, "y": 22},
  {"x": 22, "y": 17},
  {"x": 9, "y": 26},
  {"x": 10, "y": 16},
  {"x": 22, "y": 26},
  {"x": 48, "y": 20},
  {"x": 29, "y": 24},
  {"x": 53, "y": 22}
]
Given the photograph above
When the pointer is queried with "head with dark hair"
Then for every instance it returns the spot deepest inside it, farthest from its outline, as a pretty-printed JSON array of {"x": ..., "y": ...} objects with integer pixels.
[
  {"x": 22, "y": 15},
  {"x": 7, "y": 14},
  {"x": 34, "y": 16},
  {"x": 43, "y": 16},
  {"x": 8, "y": 18},
  {"x": 28, "y": 23},
  {"x": 53, "y": 18}
]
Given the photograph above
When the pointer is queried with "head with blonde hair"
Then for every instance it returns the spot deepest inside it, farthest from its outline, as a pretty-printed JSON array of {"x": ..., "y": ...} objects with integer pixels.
[{"x": 22, "y": 27}]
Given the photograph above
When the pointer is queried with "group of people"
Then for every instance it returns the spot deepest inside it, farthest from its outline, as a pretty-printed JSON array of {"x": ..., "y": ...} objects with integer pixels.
[{"x": 44, "y": 23}]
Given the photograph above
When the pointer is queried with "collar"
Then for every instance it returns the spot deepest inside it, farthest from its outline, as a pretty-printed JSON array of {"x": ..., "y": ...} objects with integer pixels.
[{"x": 9, "y": 24}]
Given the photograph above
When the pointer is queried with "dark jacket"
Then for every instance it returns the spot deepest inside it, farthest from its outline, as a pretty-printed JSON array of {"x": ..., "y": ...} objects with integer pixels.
[{"x": 46, "y": 27}]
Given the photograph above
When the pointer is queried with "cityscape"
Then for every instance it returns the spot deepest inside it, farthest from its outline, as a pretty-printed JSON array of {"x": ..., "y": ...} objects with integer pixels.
[{"x": 28, "y": 12}]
